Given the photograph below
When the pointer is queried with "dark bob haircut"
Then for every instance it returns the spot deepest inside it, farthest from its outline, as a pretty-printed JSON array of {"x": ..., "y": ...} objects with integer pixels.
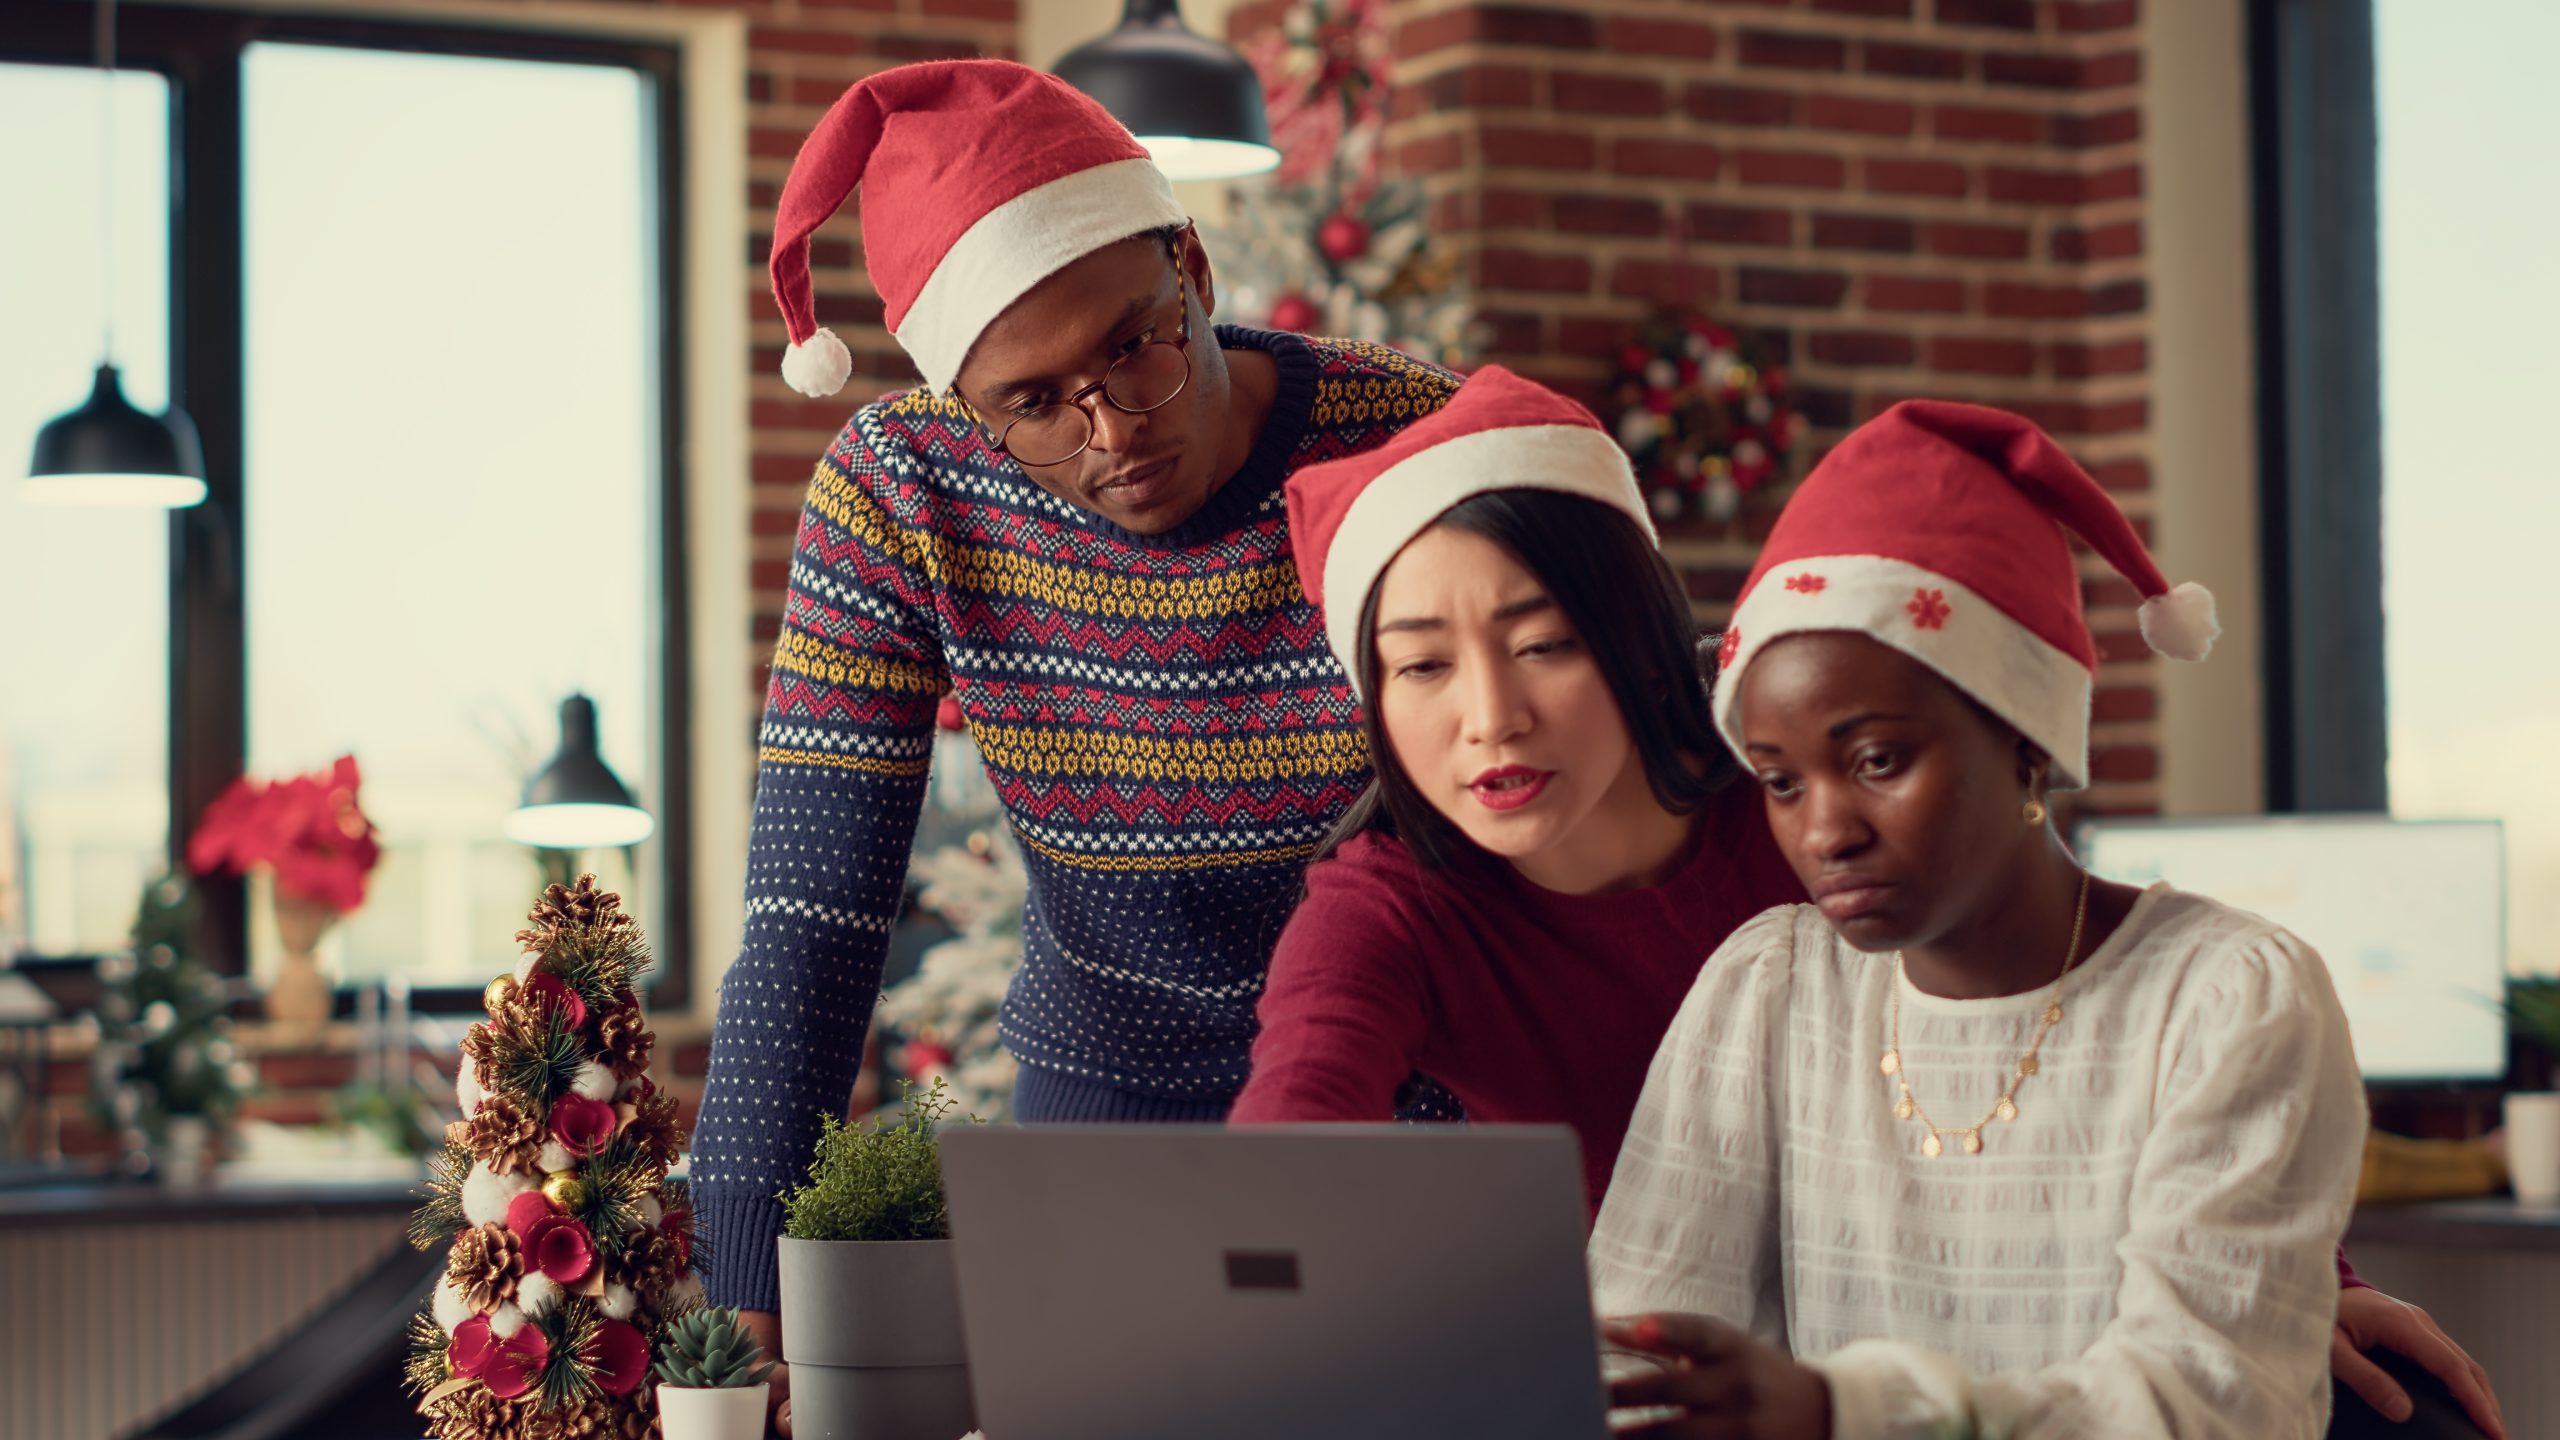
[{"x": 1632, "y": 617}]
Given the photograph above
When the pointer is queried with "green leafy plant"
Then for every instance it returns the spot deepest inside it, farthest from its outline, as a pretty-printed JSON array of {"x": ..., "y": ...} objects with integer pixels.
[
  {"x": 2533, "y": 1012},
  {"x": 709, "y": 1349},
  {"x": 876, "y": 1180},
  {"x": 164, "y": 1023}
]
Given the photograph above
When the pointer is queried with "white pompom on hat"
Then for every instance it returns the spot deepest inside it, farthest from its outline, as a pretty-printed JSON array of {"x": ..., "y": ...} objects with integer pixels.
[
  {"x": 979, "y": 179},
  {"x": 1938, "y": 529}
]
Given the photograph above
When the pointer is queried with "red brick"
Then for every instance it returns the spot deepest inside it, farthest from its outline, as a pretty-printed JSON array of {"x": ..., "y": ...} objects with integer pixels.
[
  {"x": 1986, "y": 122},
  {"x": 775, "y": 141},
  {"x": 1581, "y": 94},
  {"x": 2122, "y": 474},
  {"x": 1864, "y": 117},
  {"x": 2124, "y": 762},
  {"x": 1801, "y": 169},
  {"x": 2107, "y": 593},
  {"x": 1882, "y": 234},
  {"x": 1977, "y": 242},
  {"x": 1497, "y": 25},
  {"x": 2017, "y": 185},
  {"x": 801, "y": 43},
  {"x": 1472, "y": 87},
  {"x": 2034, "y": 302},
  {"x": 1738, "y": 105},
  {"x": 1431, "y": 155},
  {"x": 1638, "y": 35},
  {"x": 760, "y": 88},
  {"x": 2075, "y": 244},
  {"x": 773, "y": 523},
  {"x": 925, "y": 47},
  {"x": 971, "y": 9},
  {"x": 791, "y": 470},
  {"x": 2106, "y": 72},
  {"x": 2124, "y": 297},
  {"x": 1913, "y": 62},
  {"x": 877, "y": 7},
  {"x": 1914, "y": 293},
  {"x": 1789, "y": 50},
  {"x": 1992, "y": 14},
  {"x": 1917, "y": 177},
  {"x": 1971, "y": 355},
  {"x": 1513, "y": 331},
  {"x": 2089, "y": 16},
  {"x": 806, "y": 91},
  {"x": 1539, "y": 149},
  {"x": 1593, "y": 337},
  {"x": 1865, "y": 349},
  {"x": 1738, "y": 225},
  {"x": 1682, "y": 283},
  {"x": 1500, "y": 208},
  {"x": 828, "y": 415},
  {"x": 1871, "y": 9},
  {"x": 2121, "y": 703},
  {"x": 2122, "y": 182},
  {"x": 1607, "y": 215},
  {"x": 1507, "y": 269},
  {"x": 2111, "y": 127},
  {"x": 1797, "y": 289},
  {"x": 2039, "y": 70},
  {"x": 1679, "y": 159},
  {"x": 2075, "y": 360}
]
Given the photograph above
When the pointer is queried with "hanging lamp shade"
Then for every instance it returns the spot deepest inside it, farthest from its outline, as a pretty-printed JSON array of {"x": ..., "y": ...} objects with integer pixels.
[
  {"x": 576, "y": 802},
  {"x": 107, "y": 453},
  {"x": 1194, "y": 103}
]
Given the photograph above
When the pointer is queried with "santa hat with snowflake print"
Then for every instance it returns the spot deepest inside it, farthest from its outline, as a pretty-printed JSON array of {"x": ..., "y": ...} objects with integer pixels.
[
  {"x": 980, "y": 179},
  {"x": 1937, "y": 528}
]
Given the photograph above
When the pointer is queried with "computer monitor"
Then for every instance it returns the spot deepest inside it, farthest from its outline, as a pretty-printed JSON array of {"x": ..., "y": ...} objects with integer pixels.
[{"x": 2409, "y": 915}]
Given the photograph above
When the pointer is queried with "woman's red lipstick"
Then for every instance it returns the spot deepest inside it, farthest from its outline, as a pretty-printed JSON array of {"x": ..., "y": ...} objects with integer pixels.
[{"x": 1508, "y": 787}]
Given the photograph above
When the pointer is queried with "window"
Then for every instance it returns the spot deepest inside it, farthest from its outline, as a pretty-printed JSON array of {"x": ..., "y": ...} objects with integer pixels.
[
  {"x": 84, "y": 603},
  {"x": 2470, "y": 304},
  {"x": 420, "y": 285}
]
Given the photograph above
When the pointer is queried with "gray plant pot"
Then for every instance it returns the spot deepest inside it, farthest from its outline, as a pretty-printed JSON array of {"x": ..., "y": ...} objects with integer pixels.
[{"x": 872, "y": 1333}]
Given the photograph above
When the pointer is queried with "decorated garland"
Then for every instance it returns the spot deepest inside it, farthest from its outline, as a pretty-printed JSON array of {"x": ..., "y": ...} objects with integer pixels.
[
  {"x": 571, "y": 1250},
  {"x": 1704, "y": 419}
]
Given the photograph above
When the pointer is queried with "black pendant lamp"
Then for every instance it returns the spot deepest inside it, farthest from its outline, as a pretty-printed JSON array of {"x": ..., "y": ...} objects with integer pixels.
[
  {"x": 108, "y": 453},
  {"x": 576, "y": 802},
  {"x": 1194, "y": 103}
]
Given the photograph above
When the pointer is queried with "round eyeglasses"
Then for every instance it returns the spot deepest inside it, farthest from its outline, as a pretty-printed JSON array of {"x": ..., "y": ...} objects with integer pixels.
[{"x": 1147, "y": 378}]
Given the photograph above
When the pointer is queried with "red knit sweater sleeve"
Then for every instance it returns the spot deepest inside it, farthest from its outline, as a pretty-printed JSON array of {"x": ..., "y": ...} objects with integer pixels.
[{"x": 1348, "y": 1001}]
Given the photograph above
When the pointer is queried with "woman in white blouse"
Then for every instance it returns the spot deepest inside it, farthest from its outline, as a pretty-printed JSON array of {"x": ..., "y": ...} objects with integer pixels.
[{"x": 1974, "y": 1144}]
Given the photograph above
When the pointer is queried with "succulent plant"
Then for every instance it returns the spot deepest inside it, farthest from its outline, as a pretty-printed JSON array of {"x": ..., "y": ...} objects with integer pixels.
[{"x": 709, "y": 1349}]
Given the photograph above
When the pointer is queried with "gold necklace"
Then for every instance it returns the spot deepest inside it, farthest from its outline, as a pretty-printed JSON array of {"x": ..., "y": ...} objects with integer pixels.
[{"x": 2006, "y": 1110}]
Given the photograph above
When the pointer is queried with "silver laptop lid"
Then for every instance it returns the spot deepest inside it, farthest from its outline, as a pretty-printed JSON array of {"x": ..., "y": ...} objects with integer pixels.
[{"x": 1346, "y": 1282}]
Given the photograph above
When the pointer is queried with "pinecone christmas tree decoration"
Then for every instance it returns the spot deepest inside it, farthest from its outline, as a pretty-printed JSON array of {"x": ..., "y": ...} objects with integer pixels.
[{"x": 571, "y": 1250}]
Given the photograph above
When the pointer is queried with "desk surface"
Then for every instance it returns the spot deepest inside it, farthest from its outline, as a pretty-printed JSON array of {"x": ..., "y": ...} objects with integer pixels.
[{"x": 2487, "y": 1224}]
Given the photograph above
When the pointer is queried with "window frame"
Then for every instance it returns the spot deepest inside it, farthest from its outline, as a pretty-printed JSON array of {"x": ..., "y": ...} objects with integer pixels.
[{"x": 199, "y": 51}]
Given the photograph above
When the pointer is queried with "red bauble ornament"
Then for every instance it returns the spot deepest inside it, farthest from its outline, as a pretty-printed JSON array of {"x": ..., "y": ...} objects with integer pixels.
[
  {"x": 1343, "y": 238},
  {"x": 1294, "y": 311}
]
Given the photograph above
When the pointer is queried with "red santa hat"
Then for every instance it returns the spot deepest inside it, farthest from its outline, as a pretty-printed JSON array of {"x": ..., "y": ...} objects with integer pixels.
[
  {"x": 1350, "y": 518},
  {"x": 980, "y": 179},
  {"x": 1937, "y": 528}
]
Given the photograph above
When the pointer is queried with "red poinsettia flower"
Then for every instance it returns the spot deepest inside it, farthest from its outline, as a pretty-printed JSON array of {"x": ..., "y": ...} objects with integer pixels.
[
  {"x": 526, "y": 1211},
  {"x": 518, "y": 1362},
  {"x": 553, "y": 994},
  {"x": 619, "y": 1355},
  {"x": 472, "y": 1347},
  {"x": 308, "y": 830},
  {"x": 582, "y": 1125},
  {"x": 560, "y": 1247}
]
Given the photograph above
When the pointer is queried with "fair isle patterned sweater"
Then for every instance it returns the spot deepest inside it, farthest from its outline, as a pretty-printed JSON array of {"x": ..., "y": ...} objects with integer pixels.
[{"x": 1160, "y": 715}]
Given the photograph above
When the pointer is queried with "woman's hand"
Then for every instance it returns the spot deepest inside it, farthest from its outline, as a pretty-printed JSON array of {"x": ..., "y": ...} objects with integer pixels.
[
  {"x": 766, "y": 1326},
  {"x": 2371, "y": 1320},
  {"x": 1724, "y": 1384}
]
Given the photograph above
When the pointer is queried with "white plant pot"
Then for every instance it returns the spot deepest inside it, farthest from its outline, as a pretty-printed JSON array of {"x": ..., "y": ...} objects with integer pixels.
[{"x": 734, "y": 1412}]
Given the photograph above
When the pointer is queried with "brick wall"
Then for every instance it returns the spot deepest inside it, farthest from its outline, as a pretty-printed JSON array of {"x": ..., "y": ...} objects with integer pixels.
[{"x": 1907, "y": 197}]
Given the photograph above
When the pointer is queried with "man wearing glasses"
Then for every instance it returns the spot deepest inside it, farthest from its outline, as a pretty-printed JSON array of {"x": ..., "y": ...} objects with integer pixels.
[{"x": 1075, "y": 527}]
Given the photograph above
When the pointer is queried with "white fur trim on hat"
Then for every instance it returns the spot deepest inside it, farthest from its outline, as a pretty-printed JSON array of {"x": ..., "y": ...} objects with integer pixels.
[
  {"x": 1406, "y": 497},
  {"x": 1020, "y": 243},
  {"x": 819, "y": 366},
  {"x": 2014, "y": 672},
  {"x": 2180, "y": 624}
]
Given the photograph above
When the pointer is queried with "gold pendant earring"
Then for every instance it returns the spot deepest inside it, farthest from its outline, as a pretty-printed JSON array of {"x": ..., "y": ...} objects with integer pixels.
[{"x": 2034, "y": 811}]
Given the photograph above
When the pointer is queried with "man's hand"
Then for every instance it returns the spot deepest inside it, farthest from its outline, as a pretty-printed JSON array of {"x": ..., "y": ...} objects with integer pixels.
[
  {"x": 766, "y": 1326},
  {"x": 2371, "y": 1320},
  {"x": 1724, "y": 1384}
]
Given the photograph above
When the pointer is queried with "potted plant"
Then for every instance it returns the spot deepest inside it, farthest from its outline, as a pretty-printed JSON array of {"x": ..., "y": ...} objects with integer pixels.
[
  {"x": 870, "y": 1297},
  {"x": 711, "y": 1383}
]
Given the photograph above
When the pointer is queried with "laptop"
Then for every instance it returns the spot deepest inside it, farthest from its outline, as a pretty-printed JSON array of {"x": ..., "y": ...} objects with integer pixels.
[{"x": 1346, "y": 1282}]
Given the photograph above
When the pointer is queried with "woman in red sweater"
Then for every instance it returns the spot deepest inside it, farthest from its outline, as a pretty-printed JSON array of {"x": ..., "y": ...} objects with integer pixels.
[{"x": 1555, "y": 839}]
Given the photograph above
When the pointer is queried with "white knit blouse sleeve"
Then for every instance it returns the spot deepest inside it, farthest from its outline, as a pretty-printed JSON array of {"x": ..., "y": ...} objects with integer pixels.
[
  {"x": 1690, "y": 1223},
  {"x": 2229, "y": 1289}
]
